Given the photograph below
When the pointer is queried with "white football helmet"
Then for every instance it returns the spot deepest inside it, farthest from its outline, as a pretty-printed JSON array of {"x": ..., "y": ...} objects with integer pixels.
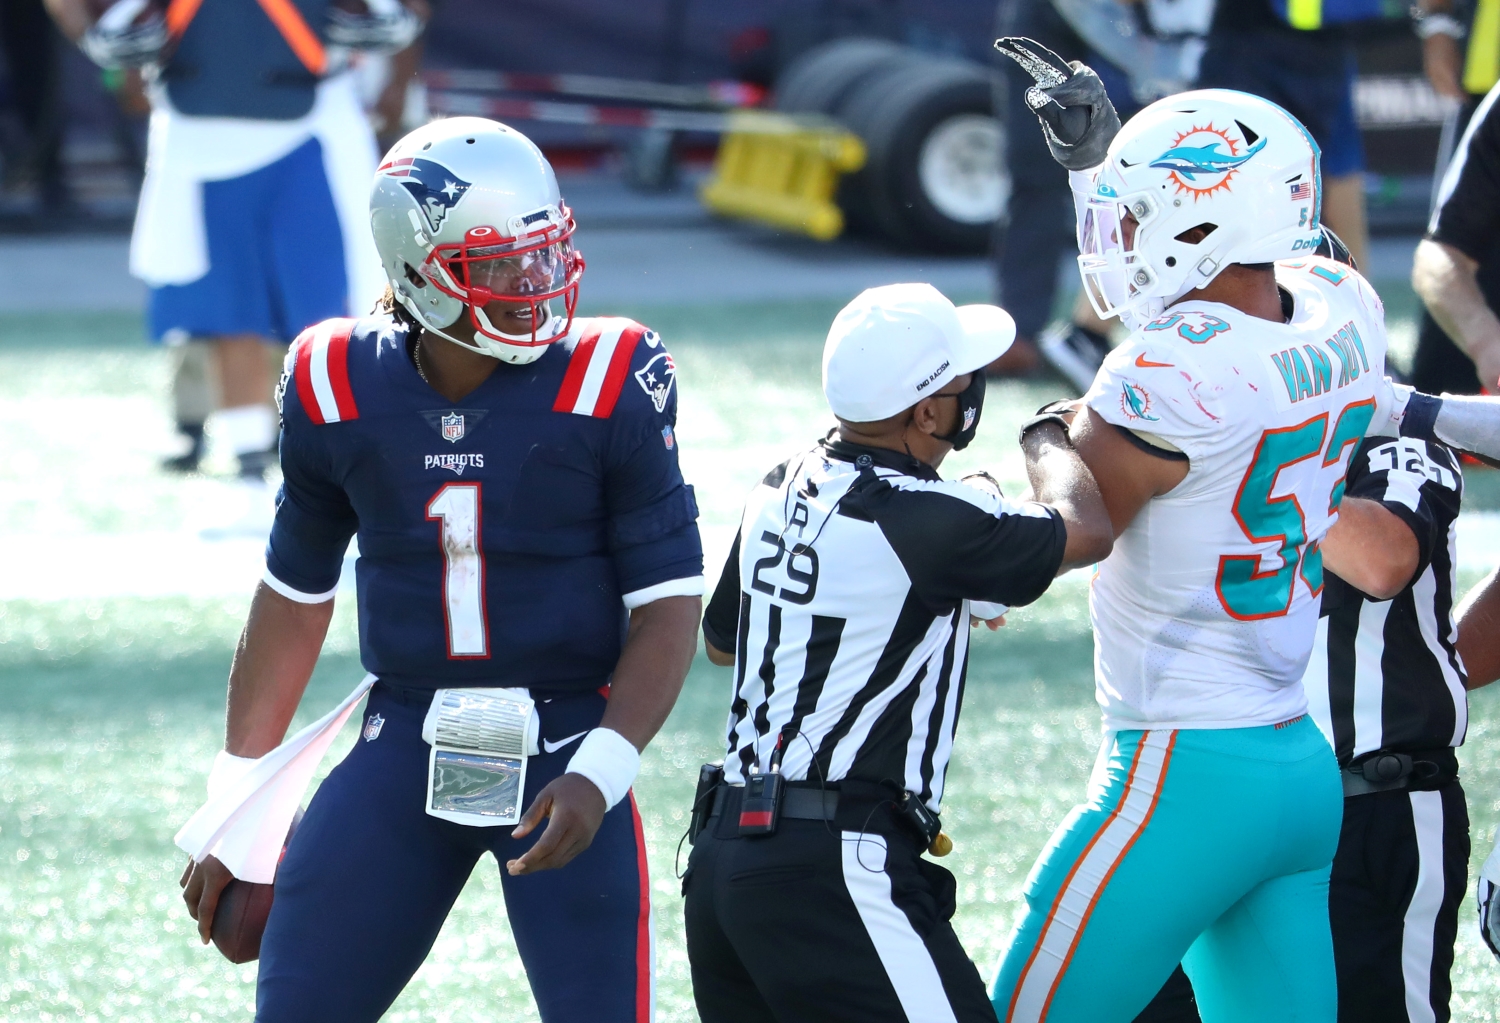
[
  {"x": 1234, "y": 164},
  {"x": 466, "y": 211}
]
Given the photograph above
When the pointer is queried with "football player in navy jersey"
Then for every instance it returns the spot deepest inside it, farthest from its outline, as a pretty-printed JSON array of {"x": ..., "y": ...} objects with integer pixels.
[{"x": 511, "y": 473}]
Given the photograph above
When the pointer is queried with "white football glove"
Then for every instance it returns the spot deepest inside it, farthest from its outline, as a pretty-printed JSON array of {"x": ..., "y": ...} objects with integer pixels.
[
  {"x": 131, "y": 33},
  {"x": 1489, "y": 900}
]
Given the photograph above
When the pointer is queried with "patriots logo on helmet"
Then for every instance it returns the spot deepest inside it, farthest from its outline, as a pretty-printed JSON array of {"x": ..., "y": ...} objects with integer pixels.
[
  {"x": 436, "y": 188},
  {"x": 656, "y": 377}
]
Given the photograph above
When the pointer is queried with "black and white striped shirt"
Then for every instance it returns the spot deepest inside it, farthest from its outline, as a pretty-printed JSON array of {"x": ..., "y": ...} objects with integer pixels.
[
  {"x": 1384, "y": 674},
  {"x": 846, "y": 602}
]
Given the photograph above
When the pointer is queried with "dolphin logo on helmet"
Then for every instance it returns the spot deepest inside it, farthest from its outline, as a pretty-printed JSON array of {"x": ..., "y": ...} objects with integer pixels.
[
  {"x": 1190, "y": 161},
  {"x": 1192, "y": 184}
]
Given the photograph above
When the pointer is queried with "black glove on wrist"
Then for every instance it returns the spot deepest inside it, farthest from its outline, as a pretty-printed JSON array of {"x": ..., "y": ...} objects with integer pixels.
[
  {"x": 1076, "y": 114},
  {"x": 1058, "y": 412}
]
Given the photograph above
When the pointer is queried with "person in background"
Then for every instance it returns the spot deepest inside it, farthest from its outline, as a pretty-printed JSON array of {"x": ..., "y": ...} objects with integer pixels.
[
  {"x": 1461, "y": 59},
  {"x": 251, "y": 223},
  {"x": 1479, "y": 646},
  {"x": 392, "y": 90},
  {"x": 1308, "y": 71},
  {"x": 1456, "y": 269},
  {"x": 1458, "y": 343},
  {"x": 1036, "y": 232},
  {"x": 33, "y": 83}
]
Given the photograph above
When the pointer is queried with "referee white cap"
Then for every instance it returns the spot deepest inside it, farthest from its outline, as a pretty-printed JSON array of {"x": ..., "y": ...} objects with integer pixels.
[{"x": 895, "y": 345}]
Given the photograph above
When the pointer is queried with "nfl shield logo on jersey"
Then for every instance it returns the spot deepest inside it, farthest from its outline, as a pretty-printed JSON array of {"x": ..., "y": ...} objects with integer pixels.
[
  {"x": 373, "y": 727},
  {"x": 453, "y": 427}
]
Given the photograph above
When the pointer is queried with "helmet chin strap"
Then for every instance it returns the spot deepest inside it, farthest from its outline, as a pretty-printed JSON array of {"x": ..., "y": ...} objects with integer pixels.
[
  {"x": 407, "y": 304},
  {"x": 545, "y": 305},
  {"x": 476, "y": 349}
]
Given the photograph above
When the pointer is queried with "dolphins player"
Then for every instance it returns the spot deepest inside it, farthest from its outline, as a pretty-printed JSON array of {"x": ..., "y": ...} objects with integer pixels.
[{"x": 1219, "y": 434}]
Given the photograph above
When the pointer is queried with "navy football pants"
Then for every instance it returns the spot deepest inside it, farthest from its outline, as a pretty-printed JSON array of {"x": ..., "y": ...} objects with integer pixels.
[{"x": 370, "y": 877}]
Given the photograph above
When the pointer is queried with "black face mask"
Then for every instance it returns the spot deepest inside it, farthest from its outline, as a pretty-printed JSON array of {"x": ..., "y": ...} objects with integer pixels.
[{"x": 970, "y": 405}]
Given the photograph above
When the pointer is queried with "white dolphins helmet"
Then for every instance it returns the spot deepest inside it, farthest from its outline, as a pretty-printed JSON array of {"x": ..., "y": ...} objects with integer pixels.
[
  {"x": 1234, "y": 164},
  {"x": 466, "y": 211}
]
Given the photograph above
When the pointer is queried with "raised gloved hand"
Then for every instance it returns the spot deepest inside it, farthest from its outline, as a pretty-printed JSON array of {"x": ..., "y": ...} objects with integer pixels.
[
  {"x": 1079, "y": 120},
  {"x": 131, "y": 33}
]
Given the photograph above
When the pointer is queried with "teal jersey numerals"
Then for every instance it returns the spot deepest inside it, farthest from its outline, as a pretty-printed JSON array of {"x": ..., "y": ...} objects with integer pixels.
[{"x": 1245, "y": 590}]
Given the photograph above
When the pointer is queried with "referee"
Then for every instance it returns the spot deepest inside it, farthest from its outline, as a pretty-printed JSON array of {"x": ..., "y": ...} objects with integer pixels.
[
  {"x": 844, "y": 608},
  {"x": 1479, "y": 645},
  {"x": 1387, "y": 688},
  {"x": 1456, "y": 269}
]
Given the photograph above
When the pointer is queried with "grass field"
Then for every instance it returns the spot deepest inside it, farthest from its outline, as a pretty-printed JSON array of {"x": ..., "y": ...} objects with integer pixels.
[{"x": 112, "y": 680}]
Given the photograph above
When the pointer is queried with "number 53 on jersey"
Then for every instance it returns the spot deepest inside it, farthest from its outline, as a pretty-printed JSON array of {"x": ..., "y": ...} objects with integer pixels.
[{"x": 1246, "y": 589}]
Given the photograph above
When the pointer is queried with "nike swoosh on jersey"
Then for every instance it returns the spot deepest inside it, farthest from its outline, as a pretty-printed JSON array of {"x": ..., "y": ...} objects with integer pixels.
[
  {"x": 1145, "y": 363},
  {"x": 548, "y": 746}
]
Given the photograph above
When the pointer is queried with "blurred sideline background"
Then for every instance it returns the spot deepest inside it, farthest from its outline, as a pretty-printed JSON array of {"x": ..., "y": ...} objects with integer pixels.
[{"x": 120, "y": 606}]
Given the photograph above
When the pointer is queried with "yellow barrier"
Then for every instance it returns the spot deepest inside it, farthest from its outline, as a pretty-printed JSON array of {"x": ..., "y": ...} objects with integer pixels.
[{"x": 783, "y": 171}]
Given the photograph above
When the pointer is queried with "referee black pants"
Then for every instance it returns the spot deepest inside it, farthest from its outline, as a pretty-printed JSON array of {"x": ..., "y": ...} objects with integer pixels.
[
  {"x": 1398, "y": 878},
  {"x": 820, "y": 924}
]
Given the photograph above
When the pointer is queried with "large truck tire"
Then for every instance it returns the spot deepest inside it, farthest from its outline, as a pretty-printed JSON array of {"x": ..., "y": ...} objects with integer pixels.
[
  {"x": 934, "y": 178},
  {"x": 819, "y": 80}
]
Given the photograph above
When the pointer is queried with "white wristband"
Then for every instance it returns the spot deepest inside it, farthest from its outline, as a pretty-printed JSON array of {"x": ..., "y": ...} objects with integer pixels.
[
  {"x": 1469, "y": 423},
  {"x": 227, "y": 770},
  {"x": 610, "y": 761},
  {"x": 1438, "y": 24}
]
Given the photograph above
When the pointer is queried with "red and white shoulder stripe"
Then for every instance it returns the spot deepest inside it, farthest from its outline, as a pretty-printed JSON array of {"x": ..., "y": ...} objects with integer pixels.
[
  {"x": 599, "y": 367},
  {"x": 321, "y": 370}
]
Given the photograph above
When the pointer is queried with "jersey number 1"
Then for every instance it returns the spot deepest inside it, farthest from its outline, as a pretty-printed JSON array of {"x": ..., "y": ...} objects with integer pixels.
[
  {"x": 1245, "y": 591},
  {"x": 456, "y": 506}
]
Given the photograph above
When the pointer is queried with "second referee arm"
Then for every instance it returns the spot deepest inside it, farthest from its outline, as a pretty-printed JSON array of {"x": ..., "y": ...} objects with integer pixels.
[
  {"x": 1371, "y": 549},
  {"x": 1447, "y": 282},
  {"x": 1478, "y": 640}
]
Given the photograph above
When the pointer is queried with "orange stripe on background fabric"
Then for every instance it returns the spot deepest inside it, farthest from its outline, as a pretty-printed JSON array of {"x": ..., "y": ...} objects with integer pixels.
[
  {"x": 293, "y": 28},
  {"x": 180, "y": 14},
  {"x": 1161, "y": 780},
  {"x": 304, "y": 42},
  {"x": 1063, "y": 888}
]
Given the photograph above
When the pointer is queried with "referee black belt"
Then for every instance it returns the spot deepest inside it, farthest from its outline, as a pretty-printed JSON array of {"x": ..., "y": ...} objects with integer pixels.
[
  {"x": 1384, "y": 771},
  {"x": 799, "y": 802}
]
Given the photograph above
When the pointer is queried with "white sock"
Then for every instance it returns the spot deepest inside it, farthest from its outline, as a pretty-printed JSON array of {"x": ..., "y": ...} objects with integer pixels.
[{"x": 246, "y": 429}]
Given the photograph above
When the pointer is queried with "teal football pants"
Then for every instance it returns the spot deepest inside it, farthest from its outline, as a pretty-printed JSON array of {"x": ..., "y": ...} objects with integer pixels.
[{"x": 1207, "y": 846}]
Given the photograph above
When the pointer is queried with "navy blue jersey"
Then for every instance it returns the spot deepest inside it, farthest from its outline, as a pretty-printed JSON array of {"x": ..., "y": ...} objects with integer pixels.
[{"x": 500, "y": 540}]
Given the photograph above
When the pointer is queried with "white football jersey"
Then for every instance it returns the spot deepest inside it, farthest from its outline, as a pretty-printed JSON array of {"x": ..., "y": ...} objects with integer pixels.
[{"x": 1204, "y": 614}]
